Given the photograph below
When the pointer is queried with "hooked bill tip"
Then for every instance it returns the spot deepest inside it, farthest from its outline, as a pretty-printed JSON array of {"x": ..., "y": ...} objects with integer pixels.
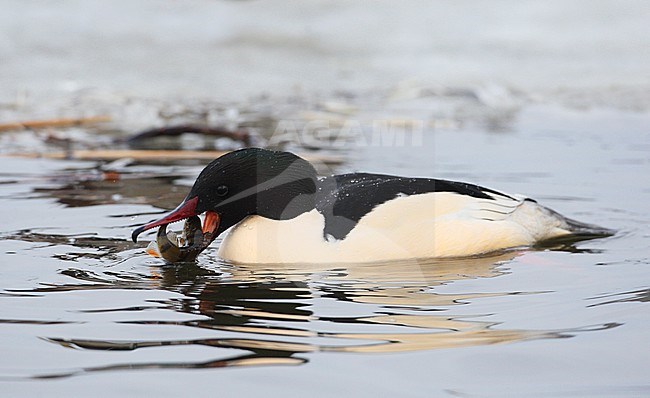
[
  {"x": 135, "y": 234},
  {"x": 184, "y": 210}
]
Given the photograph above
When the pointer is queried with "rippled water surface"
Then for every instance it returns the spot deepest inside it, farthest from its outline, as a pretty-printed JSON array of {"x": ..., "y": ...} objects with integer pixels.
[
  {"x": 547, "y": 99},
  {"x": 83, "y": 310}
]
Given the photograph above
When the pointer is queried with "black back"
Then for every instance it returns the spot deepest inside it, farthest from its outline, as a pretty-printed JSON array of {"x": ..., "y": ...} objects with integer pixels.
[{"x": 344, "y": 199}]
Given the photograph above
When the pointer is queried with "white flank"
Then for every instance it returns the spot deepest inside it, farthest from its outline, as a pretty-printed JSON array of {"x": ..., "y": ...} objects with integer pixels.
[{"x": 440, "y": 224}]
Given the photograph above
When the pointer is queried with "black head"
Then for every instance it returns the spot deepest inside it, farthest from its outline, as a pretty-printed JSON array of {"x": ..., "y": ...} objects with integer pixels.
[{"x": 276, "y": 185}]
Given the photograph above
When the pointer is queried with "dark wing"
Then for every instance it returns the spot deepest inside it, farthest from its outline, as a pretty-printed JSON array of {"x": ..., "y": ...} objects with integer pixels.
[{"x": 345, "y": 199}]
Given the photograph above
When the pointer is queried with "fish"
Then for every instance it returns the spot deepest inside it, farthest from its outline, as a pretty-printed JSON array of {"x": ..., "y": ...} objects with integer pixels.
[{"x": 184, "y": 248}]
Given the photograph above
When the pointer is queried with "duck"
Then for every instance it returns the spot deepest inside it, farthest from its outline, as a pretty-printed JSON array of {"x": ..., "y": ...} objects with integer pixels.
[{"x": 272, "y": 207}]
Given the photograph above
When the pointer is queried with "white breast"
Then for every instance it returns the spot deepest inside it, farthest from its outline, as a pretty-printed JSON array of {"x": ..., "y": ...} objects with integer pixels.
[{"x": 440, "y": 224}]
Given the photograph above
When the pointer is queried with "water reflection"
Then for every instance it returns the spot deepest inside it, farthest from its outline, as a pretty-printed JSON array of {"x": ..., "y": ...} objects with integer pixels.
[
  {"x": 244, "y": 360},
  {"x": 641, "y": 296},
  {"x": 247, "y": 315},
  {"x": 280, "y": 315},
  {"x": 98, "y": 188}
]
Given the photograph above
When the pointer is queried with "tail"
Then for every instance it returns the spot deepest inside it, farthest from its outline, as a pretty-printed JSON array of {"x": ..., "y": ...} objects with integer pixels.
[
  {"x": 573, "y": 230},
  {"x": 578, "y": 228}
]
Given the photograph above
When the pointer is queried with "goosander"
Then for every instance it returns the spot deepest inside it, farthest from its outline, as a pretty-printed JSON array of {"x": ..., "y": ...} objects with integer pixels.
[{"x": 275, "y": 209}]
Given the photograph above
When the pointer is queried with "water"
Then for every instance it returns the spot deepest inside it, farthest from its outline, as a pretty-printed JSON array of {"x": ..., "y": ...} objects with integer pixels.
[{"x": 85, "y": 311}]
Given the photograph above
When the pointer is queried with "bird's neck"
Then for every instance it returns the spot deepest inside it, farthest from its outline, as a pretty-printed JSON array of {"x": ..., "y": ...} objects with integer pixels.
[{"x": 278, "y": 205}]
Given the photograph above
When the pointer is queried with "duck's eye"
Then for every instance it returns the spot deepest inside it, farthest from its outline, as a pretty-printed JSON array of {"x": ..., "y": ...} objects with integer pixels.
[{"x": 222, "y": 190}]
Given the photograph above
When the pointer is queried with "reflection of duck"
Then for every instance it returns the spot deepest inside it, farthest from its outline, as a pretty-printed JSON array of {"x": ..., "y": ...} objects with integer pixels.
[
  {"x": 267, "y": 310},
  {"x": 243, "y": 294},
  {"x": 420, "y": 272},
  {"x": 260, "y": 315},
  {"x": 280, "y": 212},
  {"x": 391, "y": 308}
]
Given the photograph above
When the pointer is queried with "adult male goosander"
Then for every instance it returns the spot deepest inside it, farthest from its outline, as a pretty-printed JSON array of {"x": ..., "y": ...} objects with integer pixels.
[{"x": 278, "y": 211}]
